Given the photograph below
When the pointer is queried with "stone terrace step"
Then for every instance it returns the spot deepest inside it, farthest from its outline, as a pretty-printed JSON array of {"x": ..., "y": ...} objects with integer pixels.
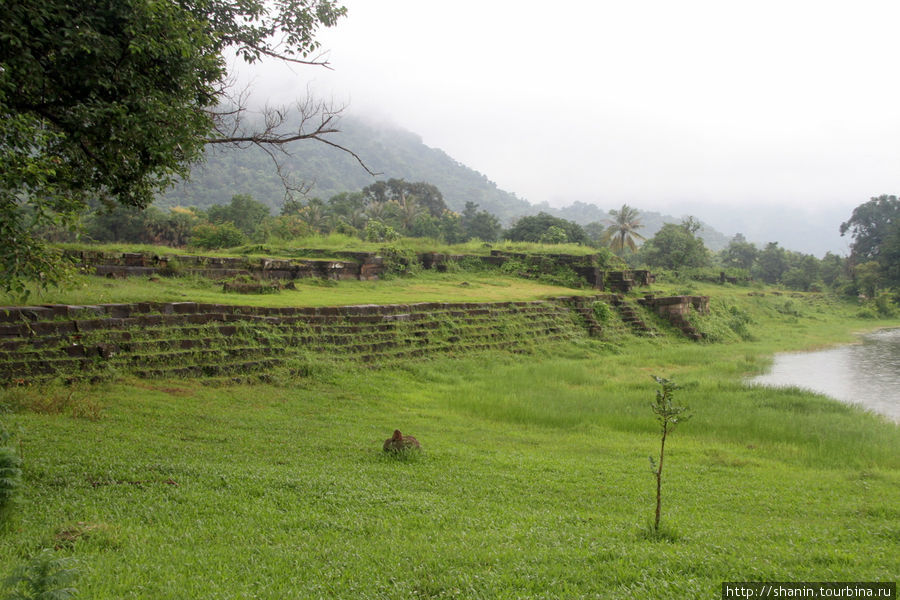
[{"x": 200, "y": 339}]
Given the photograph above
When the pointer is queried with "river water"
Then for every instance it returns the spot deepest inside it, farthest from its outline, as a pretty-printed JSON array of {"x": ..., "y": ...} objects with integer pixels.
[{"x": 867, "y": 373}]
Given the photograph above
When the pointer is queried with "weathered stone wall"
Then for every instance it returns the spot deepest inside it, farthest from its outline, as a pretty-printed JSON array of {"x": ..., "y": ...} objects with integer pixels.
[
  {"x": 360, "y": 266},
  {"x": 357, "y": 265},
  {"x": 677, "y": 308},
  {"x": 189, "y": 338}
]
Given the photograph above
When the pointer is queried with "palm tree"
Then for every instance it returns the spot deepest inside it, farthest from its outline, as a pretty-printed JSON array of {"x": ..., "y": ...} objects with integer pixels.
[
  {"x": 622, "y": 229},
  {"x": 408, "y": 209}
]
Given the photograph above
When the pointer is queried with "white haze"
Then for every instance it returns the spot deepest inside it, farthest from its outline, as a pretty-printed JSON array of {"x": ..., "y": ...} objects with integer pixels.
[{"x": 670, "y": 106}]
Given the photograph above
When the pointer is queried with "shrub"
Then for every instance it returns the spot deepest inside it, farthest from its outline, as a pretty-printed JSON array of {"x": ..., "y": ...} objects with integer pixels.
[
  {"x": 602, "y": 312},
  {"x": 223, "y": 235},
  {"x": 399, "y": 261},
  {"x": 789, "y": 309},
  {"x": 10, "y": 477},
  {"x": 45, "y": 577},
  {"x": 376, "y": 231},
  {"x": 884, "y": 305}
]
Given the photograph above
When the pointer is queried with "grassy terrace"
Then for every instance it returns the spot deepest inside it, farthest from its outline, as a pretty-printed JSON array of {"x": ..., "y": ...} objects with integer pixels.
[
  {"x": 533, "y": 483},
  {"x": 336, "y": 242},
  {"x": 427, "y": 287}
]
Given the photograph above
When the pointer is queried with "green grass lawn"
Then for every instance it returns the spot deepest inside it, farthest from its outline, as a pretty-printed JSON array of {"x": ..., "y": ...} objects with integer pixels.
[{"x": 534, "y": 481}]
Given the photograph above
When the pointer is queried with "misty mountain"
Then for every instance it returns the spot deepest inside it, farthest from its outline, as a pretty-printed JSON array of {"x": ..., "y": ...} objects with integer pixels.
[
  {"x": 387, "y": 150},
  {"x": 396, "y": 153}
]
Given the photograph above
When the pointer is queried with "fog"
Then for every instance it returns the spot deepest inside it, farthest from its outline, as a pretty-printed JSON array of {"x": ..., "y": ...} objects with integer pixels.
[{"x": 663, "y": 105}]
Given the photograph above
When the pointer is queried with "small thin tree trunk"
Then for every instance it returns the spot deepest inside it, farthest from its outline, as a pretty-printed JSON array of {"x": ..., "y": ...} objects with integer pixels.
[{"x": 662, "y": 447}]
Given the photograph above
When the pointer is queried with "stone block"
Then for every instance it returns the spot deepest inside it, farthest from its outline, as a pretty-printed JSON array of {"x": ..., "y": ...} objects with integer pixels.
[
  {"x": 132, "y": 259},
  {"x": 204, "y": 318},
  {"x": 118, "y": 310},
  {"x": 182, "y": 308},
  {"x": 106, "y": 350},
  {"x": 75, "y": 350},
  {"x": 150, "y": 320}
]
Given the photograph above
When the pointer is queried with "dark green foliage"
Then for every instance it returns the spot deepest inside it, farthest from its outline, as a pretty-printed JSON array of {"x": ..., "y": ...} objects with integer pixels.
[
  {"x": 83, "y": 96},
  {"x": 376, "y": 231},
  {"x": 133, "y": 225},
  {"x": 875, "y": 229},
  {"x": 211, "y": 237},
  {"x": 399, "y": 261},
  {"x": 10, "y": 472},
  {"x": 740, "y": 253},
  {"x": 771, "y": 263},
  {"x": 871, "y": 225},
  {"x": 243, "y": 212},
  {"x": 535, "y": 228},
  {"x": 834, "y": 270},
  {"x": 886, "y": 305},
  {"x": 554, "y": 235},
  {"x": 478, "y": 224},
  {"x": 116, "y": 100},
  {"x": 44, "y": 578},
  {"x": 675, "y": 247},
  {"x": 602, "y": 311}
]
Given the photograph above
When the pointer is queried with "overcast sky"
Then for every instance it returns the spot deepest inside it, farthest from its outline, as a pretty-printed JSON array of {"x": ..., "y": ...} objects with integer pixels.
[{"x": 658, "y": 103}]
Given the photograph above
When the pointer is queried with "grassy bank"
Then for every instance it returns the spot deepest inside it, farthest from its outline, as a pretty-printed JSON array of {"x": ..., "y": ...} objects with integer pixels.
[
  {"x": 298, "y": 248},
  {"x": 534, "y": 479},
  {"x": 429, "y": 286}
]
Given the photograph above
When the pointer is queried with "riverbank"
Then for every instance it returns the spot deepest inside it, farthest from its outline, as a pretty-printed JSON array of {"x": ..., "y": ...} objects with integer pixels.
[
  {"x": 865, "y": 373},
  {"x": 533, "y": 480}
]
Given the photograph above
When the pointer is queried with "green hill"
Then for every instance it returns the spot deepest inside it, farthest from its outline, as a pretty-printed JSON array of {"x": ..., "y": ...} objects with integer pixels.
[{"x": 388, "y": 150}]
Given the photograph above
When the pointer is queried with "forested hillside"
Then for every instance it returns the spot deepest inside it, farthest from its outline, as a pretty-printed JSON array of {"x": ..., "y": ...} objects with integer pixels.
[
  {"x": 393, "y": 153},
  {"x": 387, "y": 150}
]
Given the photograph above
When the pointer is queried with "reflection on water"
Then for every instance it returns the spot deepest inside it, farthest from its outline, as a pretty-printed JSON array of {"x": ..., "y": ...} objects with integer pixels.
[{"x": 867, "y": 373}]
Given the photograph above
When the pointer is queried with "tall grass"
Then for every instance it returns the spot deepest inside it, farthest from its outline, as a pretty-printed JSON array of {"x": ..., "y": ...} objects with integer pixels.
[{"x": 532, "y": 482}]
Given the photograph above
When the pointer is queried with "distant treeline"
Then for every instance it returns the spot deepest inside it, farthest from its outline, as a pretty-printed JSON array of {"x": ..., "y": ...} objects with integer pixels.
[{"x": 387, "y": 211}]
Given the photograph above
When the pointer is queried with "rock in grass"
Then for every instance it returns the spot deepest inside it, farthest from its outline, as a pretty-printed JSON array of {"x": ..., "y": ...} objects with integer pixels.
[{"x": 399, "y": 442}]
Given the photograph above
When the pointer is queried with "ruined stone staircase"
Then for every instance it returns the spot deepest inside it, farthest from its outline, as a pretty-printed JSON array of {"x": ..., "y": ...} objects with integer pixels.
[
  {"x": 631, "y": 317},
  {"x": 676, "y": 310},
  {"x": 151, "y": 339},
  {"x": 584, "y": 307}
]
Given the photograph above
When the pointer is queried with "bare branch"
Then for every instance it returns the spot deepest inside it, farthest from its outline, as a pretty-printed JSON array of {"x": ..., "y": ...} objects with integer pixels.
[
  {"x": 272, "y": 133},
  {"x": 314, "y": 62},
  {"x": 351, "y": 153}
]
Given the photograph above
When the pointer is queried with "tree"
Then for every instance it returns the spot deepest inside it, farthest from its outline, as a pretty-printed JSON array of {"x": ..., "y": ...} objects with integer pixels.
[
  {"x": 740, "y": 253},
  {"x": 243, "y": 212},
  {"x": 833, "y": 269},
  {"x": 554, "y": 235},
  {"x": 875, "y": 229},
  {"x": 771, "y": 263},
  {"x": 596, "y": 232},
  {"x": 533, "y": 228},
  {"x": 802, "y": 272},
  {"x": 479, "y": 224},
  {"x": 116, "y": 99},
  {"x": 668, "y": 415},
  {"x": 623, "y": 229},
  {"x": 674, "y": 247}
]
